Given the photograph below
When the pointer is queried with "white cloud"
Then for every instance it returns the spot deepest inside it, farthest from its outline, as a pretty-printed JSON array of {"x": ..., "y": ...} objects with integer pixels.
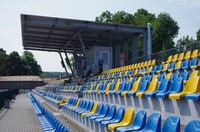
[{"x": 195, "y": 4}]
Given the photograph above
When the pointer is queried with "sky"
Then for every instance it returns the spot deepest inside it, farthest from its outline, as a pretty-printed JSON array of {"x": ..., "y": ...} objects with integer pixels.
[{"x": 185, "y": 12}]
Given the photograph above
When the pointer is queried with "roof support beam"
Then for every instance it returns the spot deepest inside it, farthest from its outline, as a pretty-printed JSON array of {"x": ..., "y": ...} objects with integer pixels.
[
  {"x": 63, "y": 64},
  {"x": 68, "y": 63},
  {"x": 73, "y": 37},
  {"x": 85, "y": 52}
]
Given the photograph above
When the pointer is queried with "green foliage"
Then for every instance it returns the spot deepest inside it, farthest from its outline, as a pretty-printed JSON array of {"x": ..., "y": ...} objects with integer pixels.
[
  {"x": 198, "y": 35},
  {"x": 165, "y": 28},
  {"x": 184, "y": 41},
  {"x": 14, "y": 64}
]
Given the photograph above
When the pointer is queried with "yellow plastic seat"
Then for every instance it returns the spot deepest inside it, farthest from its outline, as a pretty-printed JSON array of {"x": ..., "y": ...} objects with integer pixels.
[
  {"x": 149, "y": 63},
  {"x": 175, "y": 58},
  {"x": 94, "y": 109},
  {"x": 91, "y": 87},
  {"x": 153, "y": 62},
  {"x": 77, "y": 104},
  {"x": 187, "y": 55},
  {"x": 181, "y": 56},
  {"x": 127, "y": 120},
  {"x": 169, "y": 76},
  {"x": 153, "y": 86},
  {"x": 117, "y": 86},
  {"x": 97, "y": 87},
  {"x": 135, "y": 87},
  {"x": 146, "y": 64},
  {"x": 62, "y": 101},
  {"x": 155, "y": 77},
  {"x": 195, "y": 53},
  {"x": 169, "y": 59},
  {"x": 136, "y": 72},
  {"x": 192, "y": 86}
]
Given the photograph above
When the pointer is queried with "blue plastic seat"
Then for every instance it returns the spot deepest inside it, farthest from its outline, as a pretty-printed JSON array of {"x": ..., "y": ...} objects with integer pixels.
[
  {"x": 160, "y": 67},
  {"x": 87, "y": 109},
  {"x": 99, "y": 109},
  {"x": 161, "y": 77},
  {"x": 102, "y": 114},
  {"x": 193, "y": 126},
  {"x": 143, "y": 87},
  {"x": 117, "y": 118},
  {"x": 185, "y": 65},
  {"x": 153, "y": 70},
  {"x": 185, "y": 76},
  {"x": 195, "y": 96},
  {"x": 109, "y": 116},
  {"x": 149, "y": 78},
  {"x": 102, "y": 88},
  {"x": 84, "y": 104},
  {"x": 163, "y": 87},
  {"x": 171, "y": 65},
  {"x": 138, "y": 123},
  {"x": 175, "y": 76},
  {"x": 128, "y": 86},
  {"x": 176, "y": 86},
  {"x": 172, "y": 124},
  {"x": 112, "y": 87},
  {"x": 194, "y": 62},
  {"x": 153, "y": 123},
  {"x": 121, "y": 89}
]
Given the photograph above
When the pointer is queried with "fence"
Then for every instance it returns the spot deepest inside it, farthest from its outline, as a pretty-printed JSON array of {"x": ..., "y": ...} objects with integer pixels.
[{"x": 163, "y": 55}]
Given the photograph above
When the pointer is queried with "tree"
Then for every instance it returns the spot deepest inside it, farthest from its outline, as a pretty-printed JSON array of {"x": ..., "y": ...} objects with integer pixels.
[
  {"x": 184, "y": 41},
  {"x": 198, "y": 35},
  {"x": 165, "y": 30},
  {"x": 31, "y": 65},
  {"x": 3, "y": 59},
  {"x": 106, "y": 16}
]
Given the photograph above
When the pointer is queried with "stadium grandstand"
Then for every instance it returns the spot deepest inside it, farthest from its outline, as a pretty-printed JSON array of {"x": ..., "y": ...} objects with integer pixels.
[{"x": 154, "y": 93}]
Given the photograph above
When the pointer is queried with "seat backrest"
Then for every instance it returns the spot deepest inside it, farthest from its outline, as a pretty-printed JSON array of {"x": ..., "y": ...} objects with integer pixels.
[
  {"x": 150, "y": 68},
  {"x": 153, "y": 86},
  {"x": 113, "y": 86},
  {"x": 161, "y": 77},
  {"x": 178, "y": 64},
  {"x": 166, "y": 66},
  {"x": 169, "y": 59},
  {"x": 108, "y": 86},
  {"x": 117, "y": 86},
  {"x": 172, "y": 65},
  {"x": 168, "y": 76},
  {"x": 105, "y": 109},
  {"x": 123, "y": 85},
  {"x": 128, "y": 86},
  {"x": 185, "y": 63},
  {"x": 154, "y": 68},
  {"x": 129, "y": 116},
  {"x": 143, "y": 85},
  {"x": 185, "y": 75},
  {"x": 111, "y": 111},
  {"x": 193, "y": 85},
  {"x": 99, "y": 109},
  {"x": 193, "y": 126},
  {"x": 195, "y": 53},
  {"x": 187, "y": 55},
  {"x": 140, "y": 119},
  {"x": 90, "y": 106},
  {"x": 160, "y": 67},
  {"x": 194, "y": 62},
  {"x": 149, "y": 78},
  {"x": 119, "y": 114},
  {"x": 154, "y": 122},
  {"x": 153, "y": 62},
  {"x": 180, "y": 57},
  {"x": 164, "y": 85},
  {"x": 135, "y": 86},
  {"x": 177, "y": 85},
  {"x": 175, "y": 75},
  {"x": 175, "y": 57},
  {"x": 172, "y": 124}
]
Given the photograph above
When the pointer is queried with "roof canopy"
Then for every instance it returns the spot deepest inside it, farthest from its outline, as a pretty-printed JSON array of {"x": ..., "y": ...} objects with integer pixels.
[{"x": 58, "y": 34}]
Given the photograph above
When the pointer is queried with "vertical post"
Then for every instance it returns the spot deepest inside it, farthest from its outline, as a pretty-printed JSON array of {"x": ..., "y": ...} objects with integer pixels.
[
  {"x": 116, "y": 55},
  {"x": 85, "y": 52},
  {"x": 63, "y": 64},
  {"x": 145, "y": 44},
  {"x": 149, "y": 41},
  {"x": 68, "y": 63},
  {"x": 134, "y": 49},
  {"x": 125, "y": 52}
]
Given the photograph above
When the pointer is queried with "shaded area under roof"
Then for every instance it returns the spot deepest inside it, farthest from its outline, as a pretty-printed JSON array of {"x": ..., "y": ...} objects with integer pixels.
[{"x": 58, "y": 34}]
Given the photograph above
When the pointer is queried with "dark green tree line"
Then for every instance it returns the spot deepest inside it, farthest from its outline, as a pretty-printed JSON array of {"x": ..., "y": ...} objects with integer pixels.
[{"x": 14, "y": 64}]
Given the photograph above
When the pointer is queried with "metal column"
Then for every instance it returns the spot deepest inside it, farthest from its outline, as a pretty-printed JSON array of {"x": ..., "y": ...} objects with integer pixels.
[
  {"x": 68, "y": 63},
  {"x": 134, "y": 49},
  {"x": 63, "y": 64},
  {"x": 85, "y": 52},
  {"x": 149, "y": 41}
]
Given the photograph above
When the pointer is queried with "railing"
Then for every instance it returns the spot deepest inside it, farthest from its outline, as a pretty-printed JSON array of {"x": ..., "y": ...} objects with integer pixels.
[{"x": 163, "y": 55}]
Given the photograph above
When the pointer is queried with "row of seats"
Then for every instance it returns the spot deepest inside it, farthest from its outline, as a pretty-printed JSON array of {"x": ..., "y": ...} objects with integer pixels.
[
  {"x": 54, "y": 100},
  {"x": 47, "y": 120},
  {"x": 151, "y": 86},
  {"x": 103, "y": 117}
]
